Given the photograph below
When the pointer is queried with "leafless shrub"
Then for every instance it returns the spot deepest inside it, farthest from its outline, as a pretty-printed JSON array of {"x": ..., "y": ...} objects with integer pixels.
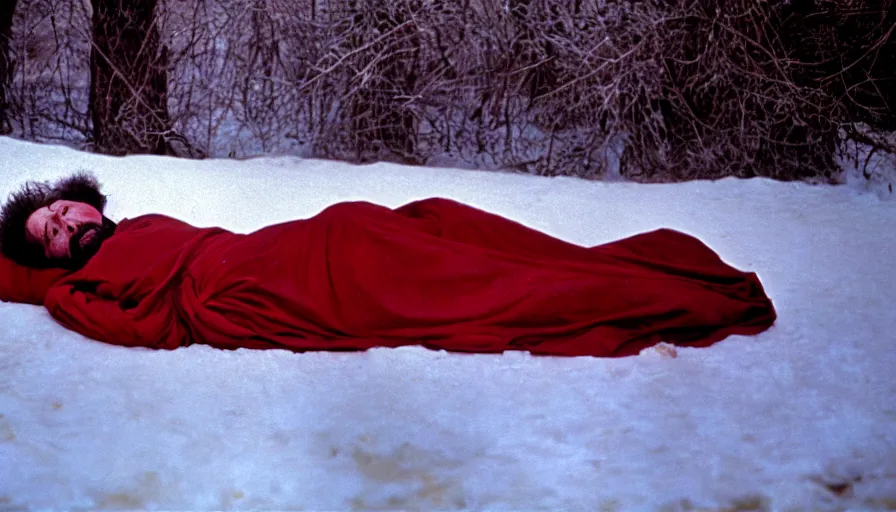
[
  {"x": 228, "y": 75},
  {"x": 847, "y": 48},
  {"x": 48, "y": 94}
]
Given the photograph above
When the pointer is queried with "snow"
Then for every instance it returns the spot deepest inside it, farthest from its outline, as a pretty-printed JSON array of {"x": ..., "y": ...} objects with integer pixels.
[
  {"x": 801, "y": 416},
  {"x": 869, "y": 170}
]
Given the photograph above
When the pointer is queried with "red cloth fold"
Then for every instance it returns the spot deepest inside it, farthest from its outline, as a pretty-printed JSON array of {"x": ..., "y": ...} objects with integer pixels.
[
  {"x": 26, "y": 285},
  {"x": 434, "y": 272}
]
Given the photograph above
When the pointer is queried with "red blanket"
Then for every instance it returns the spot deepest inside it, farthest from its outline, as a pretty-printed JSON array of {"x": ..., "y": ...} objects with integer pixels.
[
  {"x": 435, "y": 273},
  {"x": 26, "y": 285}
]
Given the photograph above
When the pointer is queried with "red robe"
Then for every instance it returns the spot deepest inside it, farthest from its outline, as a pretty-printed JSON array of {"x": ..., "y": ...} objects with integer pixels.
[{"x": 435, "y": 273}]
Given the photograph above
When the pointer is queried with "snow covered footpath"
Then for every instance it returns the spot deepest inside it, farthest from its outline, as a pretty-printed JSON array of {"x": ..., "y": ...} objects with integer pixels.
[{"x": 802, "y": 417}]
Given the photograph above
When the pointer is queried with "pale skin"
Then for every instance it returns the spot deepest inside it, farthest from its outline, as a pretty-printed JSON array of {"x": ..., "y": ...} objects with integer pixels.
[{"x": 53, "y": 226}]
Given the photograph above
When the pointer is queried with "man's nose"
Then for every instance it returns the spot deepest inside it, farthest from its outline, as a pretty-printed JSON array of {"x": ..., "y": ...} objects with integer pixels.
[{"x": 68, "y": 224}]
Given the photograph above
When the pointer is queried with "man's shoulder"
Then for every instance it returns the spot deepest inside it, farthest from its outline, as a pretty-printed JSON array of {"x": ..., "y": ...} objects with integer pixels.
[{"x": 150, "y": 221}]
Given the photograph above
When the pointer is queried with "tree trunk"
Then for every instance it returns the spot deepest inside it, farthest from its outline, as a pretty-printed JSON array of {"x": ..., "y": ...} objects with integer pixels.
[
  {"x": 7, "y": 9},
  {"x": 129, "y": 79}
]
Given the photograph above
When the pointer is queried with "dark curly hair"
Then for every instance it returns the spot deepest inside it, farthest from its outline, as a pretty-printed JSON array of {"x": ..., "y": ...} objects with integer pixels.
[{"x": 81, "y": 187}]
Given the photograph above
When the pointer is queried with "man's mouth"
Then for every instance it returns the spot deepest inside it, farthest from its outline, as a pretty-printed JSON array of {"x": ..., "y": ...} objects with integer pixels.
[
  {"x": 84, "y": 244},
  {"x": 89, "y": 237}
]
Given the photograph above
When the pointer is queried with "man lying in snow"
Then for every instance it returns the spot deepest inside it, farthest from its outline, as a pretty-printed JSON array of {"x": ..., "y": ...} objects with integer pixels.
[{"x": 434, "y": 272}]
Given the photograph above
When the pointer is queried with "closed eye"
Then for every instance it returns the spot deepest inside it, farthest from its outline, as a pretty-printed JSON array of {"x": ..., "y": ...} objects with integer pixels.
[{"x": 65, "y": 210}]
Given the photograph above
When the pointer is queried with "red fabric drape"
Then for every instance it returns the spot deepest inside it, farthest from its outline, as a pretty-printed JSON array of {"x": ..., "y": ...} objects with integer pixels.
[
  {"x": 26, "y": 285},
  {"x": 434, "y": 272}
]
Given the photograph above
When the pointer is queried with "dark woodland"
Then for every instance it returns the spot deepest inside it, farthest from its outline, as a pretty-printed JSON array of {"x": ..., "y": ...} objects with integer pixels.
[{"x": 652, "y": 90}]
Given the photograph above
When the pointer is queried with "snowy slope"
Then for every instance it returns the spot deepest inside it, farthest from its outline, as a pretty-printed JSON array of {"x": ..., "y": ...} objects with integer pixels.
[{"x": 802, "y": 416}]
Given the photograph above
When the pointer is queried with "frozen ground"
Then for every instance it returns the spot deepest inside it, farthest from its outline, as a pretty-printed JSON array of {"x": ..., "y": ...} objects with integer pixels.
[{"x": 802, "y": 417}]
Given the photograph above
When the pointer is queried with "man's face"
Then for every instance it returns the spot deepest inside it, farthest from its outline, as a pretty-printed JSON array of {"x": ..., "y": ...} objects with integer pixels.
[{"x": 63, "y": 225}]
